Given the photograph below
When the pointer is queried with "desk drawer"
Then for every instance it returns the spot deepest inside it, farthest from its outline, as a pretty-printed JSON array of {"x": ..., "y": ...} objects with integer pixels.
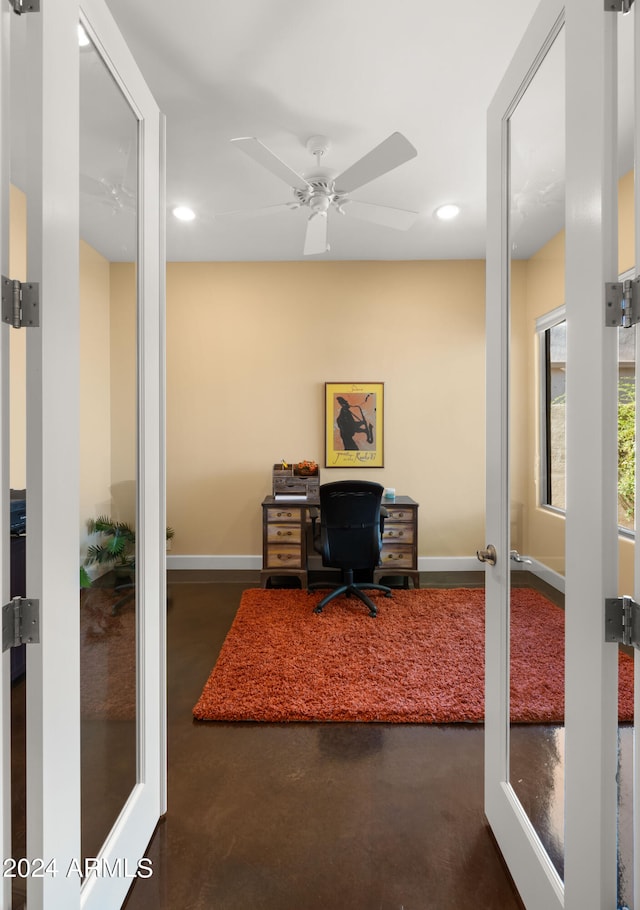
[
  {"x": 283, "y": 513},
  {"x": 285, "y": 532},
  {"x": 283, "y": 556},
  {"x": 396, "y": 555},
  {"x": 403, "y": 532},
  {"x": 398, "y": 513}
]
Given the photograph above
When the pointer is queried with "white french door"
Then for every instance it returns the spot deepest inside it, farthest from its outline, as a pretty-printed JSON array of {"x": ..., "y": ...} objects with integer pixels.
[
  {"x": 5, "y": 668},
  {"x": 575, "y": 42},
  {"x": 86, "y": 99}
]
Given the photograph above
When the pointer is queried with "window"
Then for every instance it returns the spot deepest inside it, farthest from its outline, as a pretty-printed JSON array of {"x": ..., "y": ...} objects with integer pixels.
[{"x": 552, "y": 336}]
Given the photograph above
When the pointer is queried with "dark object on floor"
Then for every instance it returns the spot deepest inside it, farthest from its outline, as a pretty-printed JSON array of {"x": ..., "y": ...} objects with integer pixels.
[
  {"x": 17, "y": 578},
  {"x": 18, "y": 509},
  {"x": 283, "y": 581}
]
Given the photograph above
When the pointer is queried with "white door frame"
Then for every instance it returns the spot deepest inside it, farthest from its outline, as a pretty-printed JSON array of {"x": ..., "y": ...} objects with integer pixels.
[
  {"x": 53, "y": 546},
  {"x": 591, "y": 529},
  {"x": 592, "y": 522},
  {"x": 53, "y": 666}
]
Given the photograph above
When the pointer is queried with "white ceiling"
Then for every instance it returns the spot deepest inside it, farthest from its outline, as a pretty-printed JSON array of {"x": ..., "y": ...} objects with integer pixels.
[{"x": 354, "y": 70}]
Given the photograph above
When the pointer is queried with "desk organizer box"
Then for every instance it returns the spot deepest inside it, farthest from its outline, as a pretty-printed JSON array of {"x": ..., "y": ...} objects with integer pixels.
[{"x": 296, "y": 481}]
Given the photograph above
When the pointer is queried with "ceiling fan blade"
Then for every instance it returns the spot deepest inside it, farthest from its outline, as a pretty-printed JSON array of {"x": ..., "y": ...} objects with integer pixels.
[
  {"x": 263, "y": 210},
  {"x": 391, "y": 153},
  {"x": 315, "y": 241},
  {"x": 264, "y": 156},
  {"x": 116, "y": 195},
  {"x": 401, "y": 219}
]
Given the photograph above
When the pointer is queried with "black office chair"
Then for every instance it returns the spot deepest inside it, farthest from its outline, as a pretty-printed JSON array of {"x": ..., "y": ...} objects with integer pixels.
[{"x": 350, "y": 538}]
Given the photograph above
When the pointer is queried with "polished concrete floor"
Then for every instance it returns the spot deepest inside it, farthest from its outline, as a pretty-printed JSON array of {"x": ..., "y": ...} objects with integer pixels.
[{"x": 306, "y": 816}]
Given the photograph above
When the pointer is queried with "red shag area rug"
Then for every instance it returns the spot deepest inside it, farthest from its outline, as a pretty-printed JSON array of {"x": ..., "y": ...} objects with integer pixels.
[{"x": 420, "y": 661}]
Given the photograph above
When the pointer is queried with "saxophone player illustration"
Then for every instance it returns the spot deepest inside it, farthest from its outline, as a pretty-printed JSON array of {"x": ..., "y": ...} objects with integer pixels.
[{"x": 349, "y": 423}]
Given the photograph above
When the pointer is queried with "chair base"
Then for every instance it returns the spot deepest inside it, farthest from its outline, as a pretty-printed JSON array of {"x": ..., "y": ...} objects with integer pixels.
[{"x": 357, "y": 590}]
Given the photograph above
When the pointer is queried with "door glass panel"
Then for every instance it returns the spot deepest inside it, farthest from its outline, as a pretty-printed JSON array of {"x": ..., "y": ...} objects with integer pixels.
[
  {"x": 108, "y": 446},
  {"x": 537, "y": 182},
  {"x": 626, "y": 430}
]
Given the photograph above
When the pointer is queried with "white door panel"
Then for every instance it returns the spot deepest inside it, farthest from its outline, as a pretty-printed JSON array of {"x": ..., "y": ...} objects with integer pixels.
[
  {"x": 535, "y": 876},
  {"x": 58, "y": 781},
  {"x": 591, "y": 521}
]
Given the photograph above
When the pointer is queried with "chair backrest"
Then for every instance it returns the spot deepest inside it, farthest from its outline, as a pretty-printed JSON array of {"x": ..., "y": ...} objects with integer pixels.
[{"x": 350, "y": 524}]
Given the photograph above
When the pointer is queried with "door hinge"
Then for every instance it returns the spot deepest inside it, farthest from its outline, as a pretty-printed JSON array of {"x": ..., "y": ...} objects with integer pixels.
[
  {"x": 20, "y": 303},
  {"x": 622, "y": 621},
  {"x": 622, "y": 303},
  {"x": 20, "y": 622},
  {"x": 31, "y": 6},
  {"x": 617, "y": 6}
]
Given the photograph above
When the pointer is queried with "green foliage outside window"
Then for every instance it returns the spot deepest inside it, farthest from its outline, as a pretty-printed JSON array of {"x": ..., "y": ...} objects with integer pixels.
[{"x": 627, "y": 445}]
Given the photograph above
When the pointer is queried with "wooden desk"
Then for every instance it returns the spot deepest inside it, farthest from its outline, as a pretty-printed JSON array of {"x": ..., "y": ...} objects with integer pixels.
[
  {"x": 399, "y": 540},
  {"x": 284, "y": 539}
]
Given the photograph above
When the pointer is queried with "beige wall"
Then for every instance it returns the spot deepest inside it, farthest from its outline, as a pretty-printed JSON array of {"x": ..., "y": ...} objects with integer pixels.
[
  {"x": 107, "y": 389},
  {"x": 123, "y": 386},
  {"x": 541, "y": 290},
  {"x": 108, "y": 379},
  {"x": 249, "y": 348},
  {"x": 95, "y": 388}
]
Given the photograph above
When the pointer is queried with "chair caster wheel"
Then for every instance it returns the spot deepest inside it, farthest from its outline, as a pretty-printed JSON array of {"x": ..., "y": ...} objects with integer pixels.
[
  {"x": 388, "y": 594},
  {"x": 317, "y": 610}
]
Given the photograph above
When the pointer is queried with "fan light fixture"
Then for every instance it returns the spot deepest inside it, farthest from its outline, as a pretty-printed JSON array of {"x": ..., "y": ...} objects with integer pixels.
[
  {"x": 184, "y": 213},
  {"x": 448, "y": 211},
  {"x": 321, "y": 190}
]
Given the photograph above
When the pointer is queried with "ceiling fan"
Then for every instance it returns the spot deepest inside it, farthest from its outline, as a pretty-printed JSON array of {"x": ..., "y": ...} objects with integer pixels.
[{"x": 320, "y": 190}]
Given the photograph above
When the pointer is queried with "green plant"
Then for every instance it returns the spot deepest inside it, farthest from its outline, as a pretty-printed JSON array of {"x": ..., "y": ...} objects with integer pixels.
[
  {"x": 627, "y": 445},
  {"x": 116, "y": 548}
]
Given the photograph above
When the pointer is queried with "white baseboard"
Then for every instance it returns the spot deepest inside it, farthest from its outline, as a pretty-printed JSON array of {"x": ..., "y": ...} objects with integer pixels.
[
  {"x": 425, "y": 564},
  {"x": 539, "y": 569},
  {"x": 449, "y": 564},
  {"x": 240, "y": 563}
]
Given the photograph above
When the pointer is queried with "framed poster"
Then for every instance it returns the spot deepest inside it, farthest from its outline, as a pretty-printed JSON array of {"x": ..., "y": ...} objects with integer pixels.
[{"x": 354, "y": 413}]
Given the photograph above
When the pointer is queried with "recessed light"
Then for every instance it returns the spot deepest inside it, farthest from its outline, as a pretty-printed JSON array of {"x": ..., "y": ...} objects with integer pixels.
[
  {"x": 448, "y": 211},
  {"x": 184, "y": 213}
]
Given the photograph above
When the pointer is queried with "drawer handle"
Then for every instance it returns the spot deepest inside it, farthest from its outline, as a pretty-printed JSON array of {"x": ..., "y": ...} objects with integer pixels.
[
  {"x": 284, "y": 514},
  {"x": 284, "y": 533},
  {"x": 283, "y": 557},
  {"x": 396, "y": 533}
]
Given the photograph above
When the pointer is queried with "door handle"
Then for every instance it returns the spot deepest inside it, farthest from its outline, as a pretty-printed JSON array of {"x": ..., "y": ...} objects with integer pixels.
[
  {"x": 515, "y": 556},
  {"x": 487, "y": 555}
]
